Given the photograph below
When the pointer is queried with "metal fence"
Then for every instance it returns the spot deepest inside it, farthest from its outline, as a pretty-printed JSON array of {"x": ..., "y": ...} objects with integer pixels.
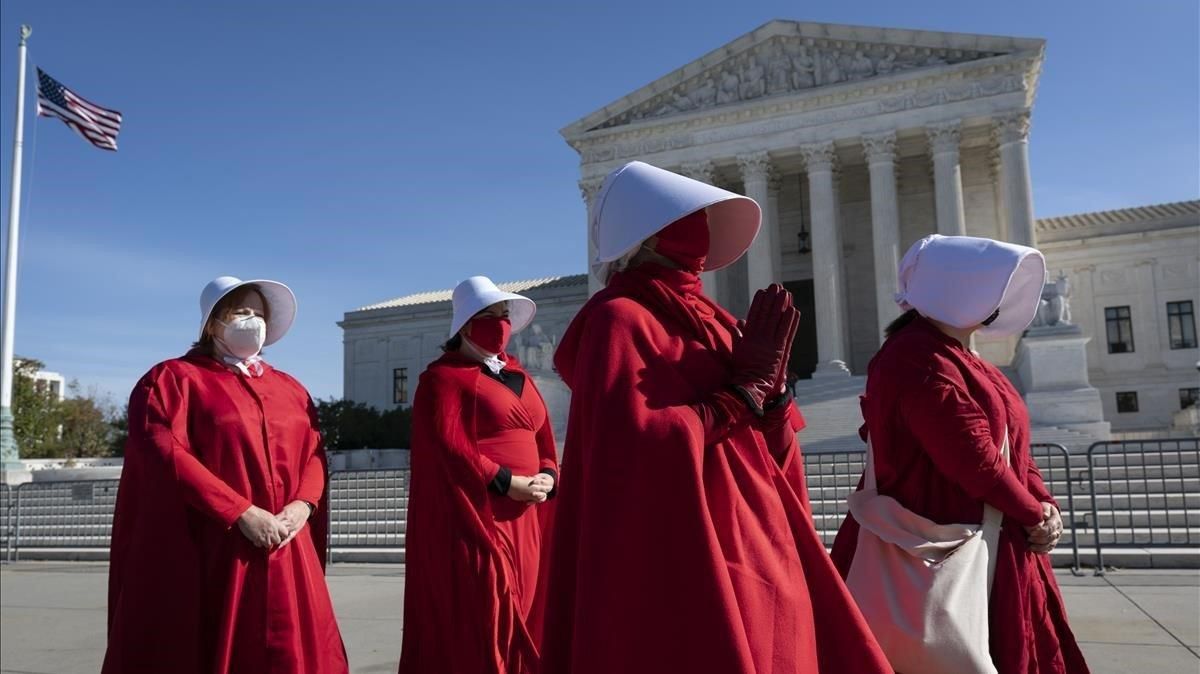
[
  {"x": 1129, "y": 494},
  {"x": 1054, "y": 462},
  {"x": 64, "y": 515},
  {"x": 831, "y": 477},
  {"x": 367, "y": 509},
  {"x": 1144, "y": 493},
  {"x": 6, "y": 515}
]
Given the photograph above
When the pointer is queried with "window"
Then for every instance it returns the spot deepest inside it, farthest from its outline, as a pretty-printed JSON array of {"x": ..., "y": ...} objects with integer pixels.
[
  {"x": 400, "y": 385},
  {"x": 1127, "y": 401},
  {"x": 1181, "y": 323},
  {"x": 1188, "y": 397},
  {"x": 1120, "y": 329}
]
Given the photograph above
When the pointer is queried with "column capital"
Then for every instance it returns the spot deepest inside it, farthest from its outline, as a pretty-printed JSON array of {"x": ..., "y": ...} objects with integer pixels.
[
  {"x": 944, "y": 137},
  {"x": 774, "y": 183},
  {"x": 755, "y": 166},
  {"x": 819, "y": 156},
  {"x": 880, "y": 148},
  {"x": 1011, "y": 128},
  {"x": 702, "y": 170},
  {"x": 588, "y": 187}
]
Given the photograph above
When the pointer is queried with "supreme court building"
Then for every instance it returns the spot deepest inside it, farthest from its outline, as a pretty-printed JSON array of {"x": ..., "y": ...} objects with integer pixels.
[{"x": 856, "y": 142}]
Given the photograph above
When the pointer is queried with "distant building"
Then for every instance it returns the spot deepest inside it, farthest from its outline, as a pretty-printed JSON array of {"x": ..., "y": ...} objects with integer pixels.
[
  {"x": 1134, "y": 290},
  {"x": 52, "y": 383},
  {"x": 858, "y": 142}
]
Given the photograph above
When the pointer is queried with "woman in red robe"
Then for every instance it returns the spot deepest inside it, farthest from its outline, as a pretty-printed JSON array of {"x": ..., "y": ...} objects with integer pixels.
[
  {"x": 218, "y": 541},
  {"x": 683, "y": 539},
  {"x": 936, "y": 414},
  {"x": 483, "y": 457}
]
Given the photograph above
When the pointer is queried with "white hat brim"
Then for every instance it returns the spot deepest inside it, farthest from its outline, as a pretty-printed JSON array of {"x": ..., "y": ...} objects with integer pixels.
[
  {"x": 281, "y": 307},
  {"x": 521, "y": 311},
  {"x": 638, "y": 200}
]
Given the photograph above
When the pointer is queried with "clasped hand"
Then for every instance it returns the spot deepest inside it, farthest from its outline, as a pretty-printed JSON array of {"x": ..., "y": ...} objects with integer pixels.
[
  {"x": 269, "y": 531},
  {"x": 1043, "y": 537},
  {"x": 531, "y": 489}
]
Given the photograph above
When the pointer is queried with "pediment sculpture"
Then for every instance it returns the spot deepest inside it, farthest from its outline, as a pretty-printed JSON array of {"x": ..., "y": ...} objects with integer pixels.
[{"x": 783, "y": 65}]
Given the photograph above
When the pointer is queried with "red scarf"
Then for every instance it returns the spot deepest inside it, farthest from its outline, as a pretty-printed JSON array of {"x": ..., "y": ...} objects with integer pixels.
[{"x": 677, "y": 294}]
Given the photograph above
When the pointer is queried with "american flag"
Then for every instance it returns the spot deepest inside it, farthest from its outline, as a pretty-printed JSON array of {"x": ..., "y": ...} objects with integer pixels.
[{"x": 99, "y": 126}]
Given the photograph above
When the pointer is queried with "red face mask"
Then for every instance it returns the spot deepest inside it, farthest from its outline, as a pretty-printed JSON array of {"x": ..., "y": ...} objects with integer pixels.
[
  {"x": 490, "y": 333},
  {"x": 685, "y": 241}
]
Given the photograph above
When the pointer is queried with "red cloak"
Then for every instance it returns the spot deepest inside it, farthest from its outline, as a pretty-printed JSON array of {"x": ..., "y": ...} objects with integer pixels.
[
  {"x": 936, "y": 414},
  {"x": 673, "y": 552},
  {"x": 187, "y": 592},
  {"x": 471, "y": 554}
]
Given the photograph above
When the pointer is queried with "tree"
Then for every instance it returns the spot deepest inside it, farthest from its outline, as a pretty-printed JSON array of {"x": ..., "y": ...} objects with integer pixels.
[
  {"x": 350, "y": 425},
  {"x": 84, "y": 424},
  {"x": 35, "y": 410},
  {"x": 120, "y": 431}
]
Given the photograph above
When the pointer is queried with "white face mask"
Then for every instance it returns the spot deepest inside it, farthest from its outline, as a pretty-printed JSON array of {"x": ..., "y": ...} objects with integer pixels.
[{"x": 243, "y": 337}]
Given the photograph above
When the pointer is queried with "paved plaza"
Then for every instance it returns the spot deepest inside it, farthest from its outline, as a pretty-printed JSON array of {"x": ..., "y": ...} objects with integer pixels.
[{"x": 53, "y": 614}]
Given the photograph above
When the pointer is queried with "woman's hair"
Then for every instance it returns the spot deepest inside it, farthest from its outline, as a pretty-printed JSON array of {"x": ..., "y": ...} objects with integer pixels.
[
  {"x": 221, "y": 309},
  {"x": 898, "y": 324},
  {"x": 453, "y": 344}
]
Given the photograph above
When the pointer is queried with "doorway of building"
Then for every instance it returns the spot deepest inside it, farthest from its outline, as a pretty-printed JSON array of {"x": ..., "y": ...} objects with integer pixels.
[{"x": 804, "y": 349}]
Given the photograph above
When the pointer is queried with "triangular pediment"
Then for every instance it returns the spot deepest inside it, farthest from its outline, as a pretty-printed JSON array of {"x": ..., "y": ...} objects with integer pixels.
[{"x": 788, "y": 58}]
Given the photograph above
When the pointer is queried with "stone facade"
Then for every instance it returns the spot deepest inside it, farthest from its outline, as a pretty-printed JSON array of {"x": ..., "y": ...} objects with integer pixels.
[
  {"x": 1144, "y": 259},
  {"x": 861, "y": 140},
  {"x": 856, "y": 142}
]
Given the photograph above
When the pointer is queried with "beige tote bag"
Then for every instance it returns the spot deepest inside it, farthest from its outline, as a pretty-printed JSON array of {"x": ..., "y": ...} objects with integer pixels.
[{"x": 923, "y": 587}]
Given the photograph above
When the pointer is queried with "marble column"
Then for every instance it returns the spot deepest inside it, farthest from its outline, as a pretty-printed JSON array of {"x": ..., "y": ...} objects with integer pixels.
[
  {"x": 880, "y": 152},
  {"x": 705, "y": 172},
  {"x": 774, "y": 185},
  {"x": 588, "y": 188},
  {"x": 947, "y": 178},
  {"x": 1011, "y": 133},
  {"x": 828, "y": 288},
  {"x": 760, "y": 259},
  {"x": 996, "y": 172}
]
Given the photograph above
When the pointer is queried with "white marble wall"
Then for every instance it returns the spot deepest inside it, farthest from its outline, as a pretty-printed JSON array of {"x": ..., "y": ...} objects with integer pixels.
[{"x": 1142, "y": 270}]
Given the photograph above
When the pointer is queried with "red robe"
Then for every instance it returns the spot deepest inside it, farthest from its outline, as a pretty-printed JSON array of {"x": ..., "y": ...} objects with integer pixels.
[
  {"x": 936, "y": 415},
  {"x": 188, "y": 593},
  {"x": 471, "y": 553},
  {"x": 673, "y": 552}
]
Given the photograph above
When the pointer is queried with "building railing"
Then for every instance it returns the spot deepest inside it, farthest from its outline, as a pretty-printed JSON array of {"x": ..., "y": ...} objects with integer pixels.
[
  {"x": 1139, "y": 494},
  {"x": 1151, "y": 489}
]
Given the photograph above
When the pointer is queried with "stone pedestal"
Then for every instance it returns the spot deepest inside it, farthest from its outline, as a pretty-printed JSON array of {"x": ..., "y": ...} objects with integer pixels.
[{"x": 1051, "y": 363}]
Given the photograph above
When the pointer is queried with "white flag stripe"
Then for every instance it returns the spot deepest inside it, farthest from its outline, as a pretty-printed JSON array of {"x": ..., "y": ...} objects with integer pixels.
[
  {"x": 88, "y": 137},
  {"x": 99, "y": 121},
  {"x": 68, "y": 115},
  {"x": 94, "y": 108},
  {"x": 89, "y": 131}
]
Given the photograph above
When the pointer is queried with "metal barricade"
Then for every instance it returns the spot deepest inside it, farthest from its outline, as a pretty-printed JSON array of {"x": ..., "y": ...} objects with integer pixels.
[
  {"x": 368, "y": 510},
  {"x": 64, "y": 515},
  {"x": 1151, "y": 490},
  {"x": 1054, "y": 462},
  {"x": 6, "y": 520},
  {"x": 831, "y": 478}
]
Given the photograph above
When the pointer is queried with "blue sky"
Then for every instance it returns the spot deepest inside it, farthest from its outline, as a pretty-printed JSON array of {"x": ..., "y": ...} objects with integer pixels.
[{"x": 359, "y": 151}]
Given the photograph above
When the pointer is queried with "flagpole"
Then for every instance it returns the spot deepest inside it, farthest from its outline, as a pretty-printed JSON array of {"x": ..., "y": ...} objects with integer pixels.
[{"x": 9, "y": 455}]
